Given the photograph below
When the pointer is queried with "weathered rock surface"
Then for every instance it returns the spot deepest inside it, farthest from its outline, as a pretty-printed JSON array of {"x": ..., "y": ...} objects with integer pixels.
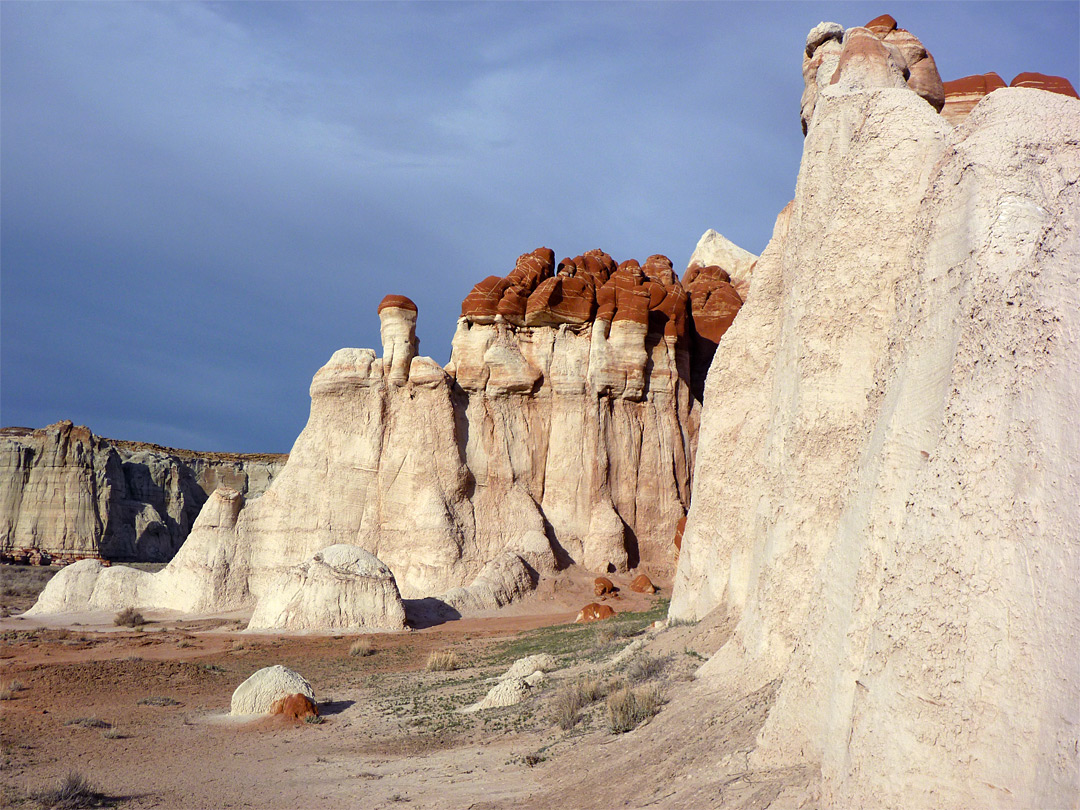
[
  {"x": 961, "y": 95},
  {"x": 268, "y": 687},
  {"x": 340, "y": 588},
  {"x": 524, "y": 667},
  {"x": 885, "y": 503},
  {"x": 642, "y": 584},
  {"x": 594, "y": 612},
  {"x": 603, "y": 587},
  {"x": 1040, "y": 81},
  {"x": 877, "y": 55},
  {"x": 295, "y": 707},
  {"x": 507, "y": 692},
  {"x": 66, "y": 494}
]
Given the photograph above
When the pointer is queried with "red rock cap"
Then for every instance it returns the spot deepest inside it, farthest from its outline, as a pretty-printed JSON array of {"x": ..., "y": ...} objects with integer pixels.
[
  {"x": 1040, "y": 81},
  {"x": 398, "y": 302}
]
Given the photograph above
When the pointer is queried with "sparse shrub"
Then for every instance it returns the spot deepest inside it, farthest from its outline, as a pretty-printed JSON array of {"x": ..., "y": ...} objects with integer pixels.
[
  {"x": 693, "y": 654},
  {"x": 129, "y": 617},
  {"x": 644, "y": 668},
  {"x": 113, "y": 734},
  {"x": 183, "y": 643},
  {"x": 313, "y": 720},
  {"x": 362, "y": 647},
  {"x": 88, "y": 722},
  {"x": 9, "y": 688},
  {"x": 534, "y": 759},
  {"x": 158, "y": 701},
  {"x": 675, "y": 622},
  {"x": 604, "y": 635},
  {"x": 442, "y": 661},
  {"x": 73, "y": 792},
  {"x": 571, "y": 699},
  {"x": 629, "y": 707}
]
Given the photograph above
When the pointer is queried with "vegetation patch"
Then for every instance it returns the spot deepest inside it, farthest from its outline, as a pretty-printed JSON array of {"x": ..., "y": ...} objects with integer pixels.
[
  {"x": 571, "y": 699},
  {"x": 570, "y": 642},
  {"x": 129, "y": 617},
  {"x": 442, "y": 661},
  {"x": 73, "y": 792},
  {"x": 8, "y": 689},
  {"x": 361, "y": 648},
  {"x": 159, "y": 701},
  {"x": 88, "y": 722},
  {"x": 631, "y": 706}
]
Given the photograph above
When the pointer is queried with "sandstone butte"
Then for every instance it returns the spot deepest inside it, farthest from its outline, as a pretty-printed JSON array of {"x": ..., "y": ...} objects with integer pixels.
[{"x": 885, "y": 477}]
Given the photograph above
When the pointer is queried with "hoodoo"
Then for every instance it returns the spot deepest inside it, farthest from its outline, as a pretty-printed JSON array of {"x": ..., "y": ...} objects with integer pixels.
[{"x": 561, "y": 431}]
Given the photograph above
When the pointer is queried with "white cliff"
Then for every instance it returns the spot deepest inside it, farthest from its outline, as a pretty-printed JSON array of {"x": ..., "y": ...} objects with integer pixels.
[{"x": 885, "y": 490}]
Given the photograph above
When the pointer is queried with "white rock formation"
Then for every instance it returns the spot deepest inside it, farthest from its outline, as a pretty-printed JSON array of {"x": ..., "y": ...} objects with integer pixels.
[
  {"x": 259, "y": 692},
  {"x": 66, "y": 494},
  {"x": 508, "y": 692},
  {"x": 524, "y": 667},
  {"x": 340, "y": 588},
  {"x": 886, "y": 501},
  {"x": 715, "y": 249}
]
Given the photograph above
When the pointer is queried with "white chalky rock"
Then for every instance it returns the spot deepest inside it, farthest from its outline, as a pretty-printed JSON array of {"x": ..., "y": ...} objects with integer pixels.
[{"x": 257, "y": 694}]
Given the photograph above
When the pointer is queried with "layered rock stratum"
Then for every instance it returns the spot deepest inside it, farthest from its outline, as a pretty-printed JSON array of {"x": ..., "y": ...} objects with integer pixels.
[
  {"x": 67, "y": 494},
  {"x": 886, "y": 504}
]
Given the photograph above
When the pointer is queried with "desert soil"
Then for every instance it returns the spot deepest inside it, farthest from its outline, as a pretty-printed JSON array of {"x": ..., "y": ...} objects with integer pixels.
[{"x": 143, "y": 713}]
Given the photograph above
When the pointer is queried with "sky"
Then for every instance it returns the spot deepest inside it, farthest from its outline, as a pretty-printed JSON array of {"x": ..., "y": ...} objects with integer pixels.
[{"x": 200, "y": 203}]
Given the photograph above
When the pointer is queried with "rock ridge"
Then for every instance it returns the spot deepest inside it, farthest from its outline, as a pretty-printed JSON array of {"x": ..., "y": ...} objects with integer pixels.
[{"x": 68, "y": 494}]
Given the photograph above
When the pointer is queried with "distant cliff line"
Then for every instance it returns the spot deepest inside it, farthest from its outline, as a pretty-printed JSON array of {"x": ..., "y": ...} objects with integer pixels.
[{"x": 67, "y": 494}]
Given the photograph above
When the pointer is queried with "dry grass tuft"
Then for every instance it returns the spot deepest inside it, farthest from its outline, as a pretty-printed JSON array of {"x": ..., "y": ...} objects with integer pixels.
[
  {"x": 158, "y": 701},
  {"x": 442, "y": 661},
  {"x": 9, "y": 688},
  {"x": 88, "y": 722},
  {"x": 570, "y": 700},
  {"x": 629, "y": 707},
  {"x": 362, "y": 647},
  {"x": 644, "y": 668},
  {"x": 129, "y": 617},
  {"x": 73, "y": 792}
]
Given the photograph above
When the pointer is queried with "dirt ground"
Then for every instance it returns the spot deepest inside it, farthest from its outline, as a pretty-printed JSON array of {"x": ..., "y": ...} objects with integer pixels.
[{"x": 144, "y": 714}]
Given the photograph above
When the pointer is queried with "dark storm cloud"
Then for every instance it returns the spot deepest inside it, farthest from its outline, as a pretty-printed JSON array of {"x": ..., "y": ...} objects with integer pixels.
[{"x": 202, "y": 202}]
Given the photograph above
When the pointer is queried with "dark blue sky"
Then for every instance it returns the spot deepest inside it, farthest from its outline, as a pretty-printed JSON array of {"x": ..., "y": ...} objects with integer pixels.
[{"x": 200, "y": 203}]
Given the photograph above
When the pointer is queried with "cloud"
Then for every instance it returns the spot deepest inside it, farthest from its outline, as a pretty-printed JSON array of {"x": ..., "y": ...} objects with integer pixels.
[{"x": 201, "y": 202}]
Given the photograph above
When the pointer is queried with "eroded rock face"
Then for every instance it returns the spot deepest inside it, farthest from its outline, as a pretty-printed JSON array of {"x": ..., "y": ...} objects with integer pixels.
[
  {"x": 341, "y": 588},
  {"x": 961, "y": 95},
  {"x": 884, "y": 503},
  {"x": 878, "y": 55},
  {"x": 67, "y": 494},
  {"x": 642, "y": 584}
]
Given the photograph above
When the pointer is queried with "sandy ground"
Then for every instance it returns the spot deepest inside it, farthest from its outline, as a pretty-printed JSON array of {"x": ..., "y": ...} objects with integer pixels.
[{"x": 391, "y": 736}]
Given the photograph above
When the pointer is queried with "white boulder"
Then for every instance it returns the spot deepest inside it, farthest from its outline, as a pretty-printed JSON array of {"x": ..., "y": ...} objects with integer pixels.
[{"x": 259, "y": 692}]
